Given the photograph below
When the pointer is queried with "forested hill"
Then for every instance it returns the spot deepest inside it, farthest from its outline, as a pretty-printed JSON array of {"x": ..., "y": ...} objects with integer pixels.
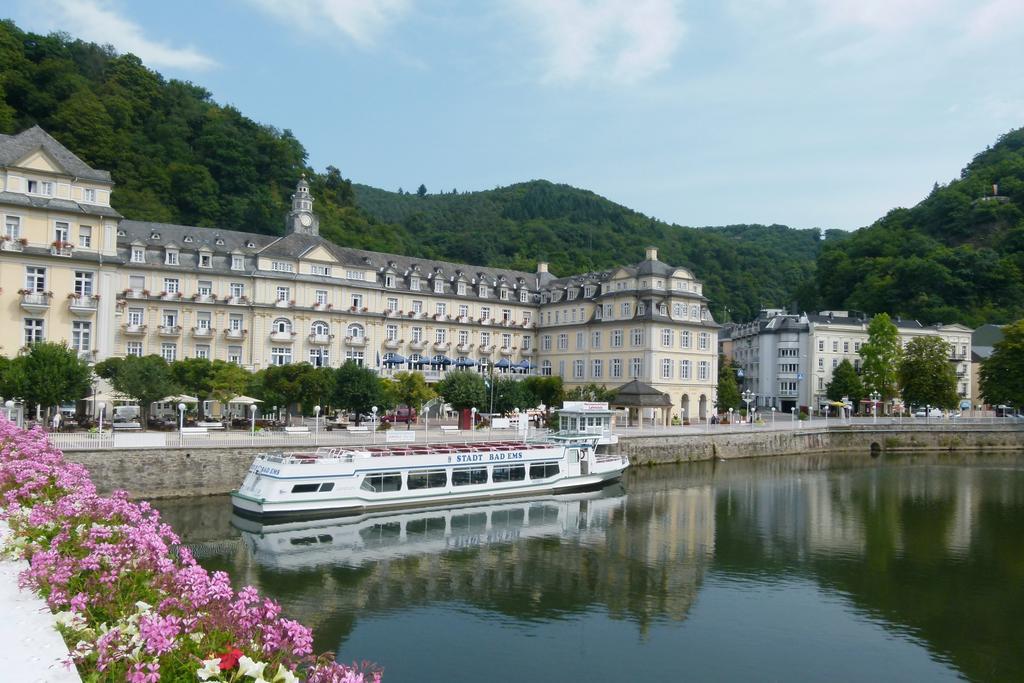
[
  {"x": 745, "y": 267},
  {"x": 958, "y": 256}
]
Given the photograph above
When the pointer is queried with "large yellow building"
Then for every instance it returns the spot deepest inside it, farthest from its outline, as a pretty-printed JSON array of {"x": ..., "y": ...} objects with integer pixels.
[{"x": 73, "y": 269}]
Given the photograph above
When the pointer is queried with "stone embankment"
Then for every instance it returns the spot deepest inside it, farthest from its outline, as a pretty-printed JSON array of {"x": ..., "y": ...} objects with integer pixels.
[{"x": 209, "y": 471}]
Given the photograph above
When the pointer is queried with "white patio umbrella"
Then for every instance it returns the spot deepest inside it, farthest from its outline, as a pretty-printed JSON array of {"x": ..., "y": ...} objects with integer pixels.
[
  {"x": 178, "y": 398},
  {"x": 245, "y": 400},
  {"x": 108, "y": 398}
]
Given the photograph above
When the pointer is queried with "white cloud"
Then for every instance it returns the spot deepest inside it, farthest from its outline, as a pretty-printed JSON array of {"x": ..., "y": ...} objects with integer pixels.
[
  {"x": 98, "y": 22},
  {"x": 621, "y": 41},
  {"x": 361, "y": 21},
  {"x": 994, "y": 18}
]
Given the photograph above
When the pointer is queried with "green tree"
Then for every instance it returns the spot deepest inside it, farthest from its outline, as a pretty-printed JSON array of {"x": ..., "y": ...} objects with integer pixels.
[
  {"x": 1002, "y": 374},
  {"x": 358, "y": 389},
  {"x": 317, "y": 389},
  {"x": 50, "y": 374},
  {"x": 881, "y": 355},
  {"x": 146, "y": 379},
  {"x": 926, "y": 375},
  {"x": 845, "y": 383},
  {"x": 286, "y": 383},
  {"x": 411, "y": 389},
  {"x": 728, "y": 388},
  {"x": 463, "y": 389},
  {"x": 228, "y": 380},
  {"x": 590, "y": 392},
  {"x": 421, "y": 191},
  {"x": 510, "y": 394},
  {"x": 193, "y": 376},
  {"x": 547, "y": 390}
]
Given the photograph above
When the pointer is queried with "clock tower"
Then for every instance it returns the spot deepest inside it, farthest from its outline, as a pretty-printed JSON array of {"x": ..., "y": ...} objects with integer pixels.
[{"x": 301, "y": 218}]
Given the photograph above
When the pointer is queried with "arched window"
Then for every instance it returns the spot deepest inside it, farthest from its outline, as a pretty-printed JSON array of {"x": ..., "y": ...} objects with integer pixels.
[
  {"x": 320, "y": 328},
  {"x": 282, "y": 325},
  {"x": 355, "y": 331}
]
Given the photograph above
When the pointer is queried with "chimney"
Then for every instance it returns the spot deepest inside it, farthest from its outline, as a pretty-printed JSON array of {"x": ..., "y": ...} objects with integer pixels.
[
  {"x": 651, "y": 253},
  {"x": 542, "y": 267}
]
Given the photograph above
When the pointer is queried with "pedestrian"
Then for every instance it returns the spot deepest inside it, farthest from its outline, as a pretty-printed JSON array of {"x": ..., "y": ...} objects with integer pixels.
[{"x": 56, "y": 421}]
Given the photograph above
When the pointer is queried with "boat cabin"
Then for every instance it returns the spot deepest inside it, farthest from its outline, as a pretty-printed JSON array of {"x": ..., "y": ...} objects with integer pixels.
[{"x": 590, "y": 418}]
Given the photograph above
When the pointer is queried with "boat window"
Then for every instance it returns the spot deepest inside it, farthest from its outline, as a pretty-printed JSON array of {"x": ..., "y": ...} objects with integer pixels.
[
  {"x": 543, "y": 470},
  {"x": 305, "y": 488},
  {"x": 429, "y": 479},
  {"x": 379, "y": 482},
  {"x": 470, "y": 523},
  {"x": 462, "y": 476},
  {"x": 509, "y": 473},
  {"x": 431, "y": 526},
  {"x": 328, "y": 486}
]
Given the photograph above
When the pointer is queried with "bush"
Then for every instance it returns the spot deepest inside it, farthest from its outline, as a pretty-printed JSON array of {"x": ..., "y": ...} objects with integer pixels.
[
  {"x": 383, "y": 426},
  {"x": 803, "y": 415}
]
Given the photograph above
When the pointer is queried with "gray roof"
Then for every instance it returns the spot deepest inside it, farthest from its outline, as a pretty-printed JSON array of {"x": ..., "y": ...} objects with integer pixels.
[
  {"x": 636, "y": 393},
  {"x": 233, "y": 240},
  {"x": 16, "y": 147},
  {"x": 987, "y": 335},
  {"x": 53, "y": 204}
]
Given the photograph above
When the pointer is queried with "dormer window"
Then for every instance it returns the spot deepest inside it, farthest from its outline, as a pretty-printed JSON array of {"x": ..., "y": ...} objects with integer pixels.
[
  {"x": 171, "y": 257},
  {"x": 138, "y": 254},
  {"x": 414, "y": 284},
  {"x": 237, "y": 262},
  {"x": 438, "y": 286},
  {"x": 483, "y": 291},
  {"x": 248, "y": 245},
  {"x": 154, "y": 235},
  {"x": 188, "y": 238},
  {"x": 572, "y": 294},
  {"x": 205, "y": 260},
  {"x": 524, "y": 296},
  {"x": 503, "y": 294},
  {"x": 588, "y": 291},
  {"x": 89, "y": 195},
  {"x": 641, "y": 309},
  {"x": 389, "y": 280},
  {"x": 460, "y": 288},
  {"x": 122, "y": 233}
]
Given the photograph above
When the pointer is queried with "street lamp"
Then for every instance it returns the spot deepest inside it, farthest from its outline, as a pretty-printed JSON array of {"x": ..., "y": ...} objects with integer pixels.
[
  {"x": 316, "y": 421},
  {"x": 927, "y": 412},
  {"x": 472, "y": 419},
  {"x": 874, "y": 405},
  {"x": 103, "y": 409},
  {"x": 374, "y": 411},
  {"x": 792, "y": 411},
  {"x": 181, "y": 422},
  {"x": 749, "y": 396},
  {"x": 252, "y": 414},
  {"x": 773, "y": 416},
  {"x": 730, "y": 416}
]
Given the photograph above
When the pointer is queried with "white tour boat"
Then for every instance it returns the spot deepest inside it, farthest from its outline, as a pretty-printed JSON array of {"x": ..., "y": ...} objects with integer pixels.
[{"x": 329, "y": 482}]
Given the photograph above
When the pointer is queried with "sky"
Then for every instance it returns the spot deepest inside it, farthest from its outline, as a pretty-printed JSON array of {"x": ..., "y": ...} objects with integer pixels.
[{"x": 809, "y": 113}]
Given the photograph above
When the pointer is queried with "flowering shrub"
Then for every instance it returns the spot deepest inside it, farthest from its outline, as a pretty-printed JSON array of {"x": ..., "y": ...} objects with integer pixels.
[{"x": 130, "y": 601}]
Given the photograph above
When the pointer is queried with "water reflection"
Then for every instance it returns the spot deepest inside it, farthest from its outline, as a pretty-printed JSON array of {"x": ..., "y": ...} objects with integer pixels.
[{"x": 916, "y": 560}]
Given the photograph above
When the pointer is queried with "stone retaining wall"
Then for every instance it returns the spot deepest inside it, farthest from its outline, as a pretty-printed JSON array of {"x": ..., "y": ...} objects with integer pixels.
[{"x": 209, "y": 471}]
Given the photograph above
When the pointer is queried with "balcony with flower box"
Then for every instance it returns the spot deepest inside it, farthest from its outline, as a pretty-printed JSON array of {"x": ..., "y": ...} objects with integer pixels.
[
  {"x": 527, "y": 352},
  {"x": 169, "y": 330},
  {"x": 13, "y": 245},
  {"x": 236, "y": 300},
  {"x": 234, "y": 334},
  {"x": 506, "y": 350},
  {"x": 464, "y": 348},
  {"x": 35, "y": 301},
  {"x": 204, "y": 298},
  {"x": 320, "y": 339},
  {"x": 323, "y": 307},
  {"x": 486, "y": 350},
  {"x": 203, "y": 332},
  {"x": 170, "y": 296},
  {"x": 284, "y": 303},
  {"x": 135, "y": 293},
  {"x": 130, "y": 330},
  {"x": 442, "y": 346},
  {"x": 355, "y": 341},
  {"x": 62, "y": 249},
  {"x": 393, "y": 344},
  {"x": 282, "y": 337},
  {"x": 417, "y": 345},
  {"x": 83, "y": 304}
]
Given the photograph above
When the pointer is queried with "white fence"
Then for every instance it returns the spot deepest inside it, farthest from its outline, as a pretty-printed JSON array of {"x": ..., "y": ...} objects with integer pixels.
[{"x": 81, "y": 441}]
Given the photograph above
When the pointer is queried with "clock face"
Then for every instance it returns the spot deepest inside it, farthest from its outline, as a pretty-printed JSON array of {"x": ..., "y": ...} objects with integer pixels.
[{"x": 305, "y": 219}]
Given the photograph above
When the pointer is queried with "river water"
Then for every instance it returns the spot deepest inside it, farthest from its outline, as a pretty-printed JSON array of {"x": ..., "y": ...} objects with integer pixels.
[{"x": 812, "y": 568}]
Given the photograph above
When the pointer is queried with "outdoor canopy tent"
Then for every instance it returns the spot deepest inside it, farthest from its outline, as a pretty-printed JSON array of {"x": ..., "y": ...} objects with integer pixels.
[
  {"x": 503, "y": 363},
  {"x": 244, "y": 400},
  {"x": 464, "y": 362},
  {"x": 178, "y": 398},
  {"x": 394, "y": 359}
]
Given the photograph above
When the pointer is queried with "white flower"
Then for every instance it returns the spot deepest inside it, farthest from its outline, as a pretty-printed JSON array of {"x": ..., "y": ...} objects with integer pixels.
[
  {"x": 143, "y": 607},
  {"x": 283, "y": 675},
  {"x": 196, "y": 637},
  {"x": 251, "y": 668},
  {"x": 211, "y": 669}
]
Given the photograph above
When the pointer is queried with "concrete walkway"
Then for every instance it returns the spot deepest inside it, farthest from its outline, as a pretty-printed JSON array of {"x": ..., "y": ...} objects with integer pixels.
[{"x": 31, "y": 649}]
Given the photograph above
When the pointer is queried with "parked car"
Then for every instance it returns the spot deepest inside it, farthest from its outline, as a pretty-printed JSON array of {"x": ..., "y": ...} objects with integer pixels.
[
  {"x": 923, "y": 412},
  {"x": 400, "y": 415}
]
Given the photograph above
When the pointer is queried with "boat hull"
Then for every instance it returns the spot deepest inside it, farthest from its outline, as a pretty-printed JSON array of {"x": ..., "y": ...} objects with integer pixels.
[{"x": 270, "y": 511}]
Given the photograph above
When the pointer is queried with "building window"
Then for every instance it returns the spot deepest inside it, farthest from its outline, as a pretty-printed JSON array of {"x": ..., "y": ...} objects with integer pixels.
[
  {"x": 35, "y": 278},
  {"x": 354, "y": 357},
  {"x": 616, "y": 339},
  {"x": 835, "y": 363},
  {"x": 203, "y": 351},
  {"x": 355, "y": 331},
  {"x": 417, "y": 307},
  {"x": 581, "y": 341},
  {"x": 284, "y": 293},
  {"x": 357, "y": 301},
  {"x": 684, "y": 339},
  {"x": 138, "y": 254},
  {"x": 835, "y": 346},
  {"x": 172, "y": 285},
  {"x": 483, "y": 291},
  {"x": 545, "y": 368},
  {"x": 237, "y": 262},
  {"x": 545, "y": 342},
  {"x": 821, "y": 363},
  {"x": 282, "y": 326},
  {"x": 320, "y": 297},
  {"x": 485, "y": 339},
  {"x": 666, "y": 368},
  {"x": 323, "y": 271},
  {"x": 235, "y": 355},
  {"x": 438, "y": 285},
  {"x": 667, "y": 337},
  {"x": 821, "y": 344},
  {"x": 596, "y": 369},
  {"x": 280, "y": 355},
  {"x": 417, "y": 335},
  {"x": 440, "y": 336},
  {"x": 282, "y": 266},
  {"x": 695, "y": 312},
  {"x": 134, "y": 348},
  {"x": 169, "y": 351},
  {"x": 684, "y": 369},
  {"x": 237, "y": 290},
  {"x": 391, "y": 332},
  {"x": 83, "y": 283},
  {"x": 89, "y": 195},
  {"x": 135, "y": 317},
  {"x": 563, "y": 342},
  {"x": 441, "y": 309},
  {"x": 641, "y": 309},
  {"x": 577, "y": 369},
  {"x": 626, "y": 309},
  {"x": 12, "y": 227},
  {"x": 637, "y": 336},
  {"x": 320, "y": 358},
  {"x": 524, "y": 296},
  {"x": 205, "y": 288},
  {"x": 704, "y": 341},
  {"x": 392, "y": 304},
  {"x": 85, "y": 236},
  {"x": 235, "y": 322},
  {"x": 389, "y": 280},
  {"x": 414, "y": 284},
  {"x": 61, "y": 232},
  {"x": 703, "y": 370},
  {"x": 527, "y": 342},
  {"x": 203, "y": 320},
  {"x": 170, "y": 318},
  {"x": 678, "y": 311},
  {"x": 33, "y": 330},
  {"x": 636, "y": 366},
  {"x": 171, "y": 257},
  {"x": 846, "y": 347},
  {"x": 205, "y": 260},
  {"x": 616, "y": 370}
]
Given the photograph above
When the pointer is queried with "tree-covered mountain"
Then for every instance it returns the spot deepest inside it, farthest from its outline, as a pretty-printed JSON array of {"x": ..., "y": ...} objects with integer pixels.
[{"x": 958, "y": 256}]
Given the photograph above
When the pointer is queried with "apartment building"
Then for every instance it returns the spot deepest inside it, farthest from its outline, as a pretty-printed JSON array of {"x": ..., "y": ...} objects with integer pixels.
[
  {"x": 73, "y": 269},
  {"x": 788, "y": 359}
]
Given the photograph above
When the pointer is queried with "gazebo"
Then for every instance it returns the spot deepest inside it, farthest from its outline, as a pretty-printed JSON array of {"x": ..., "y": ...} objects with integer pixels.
[{"x": 635, "y": 396}]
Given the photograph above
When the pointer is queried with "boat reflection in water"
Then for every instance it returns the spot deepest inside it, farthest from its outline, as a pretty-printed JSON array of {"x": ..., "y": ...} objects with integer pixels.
[{"x": 374, "y": 537}]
